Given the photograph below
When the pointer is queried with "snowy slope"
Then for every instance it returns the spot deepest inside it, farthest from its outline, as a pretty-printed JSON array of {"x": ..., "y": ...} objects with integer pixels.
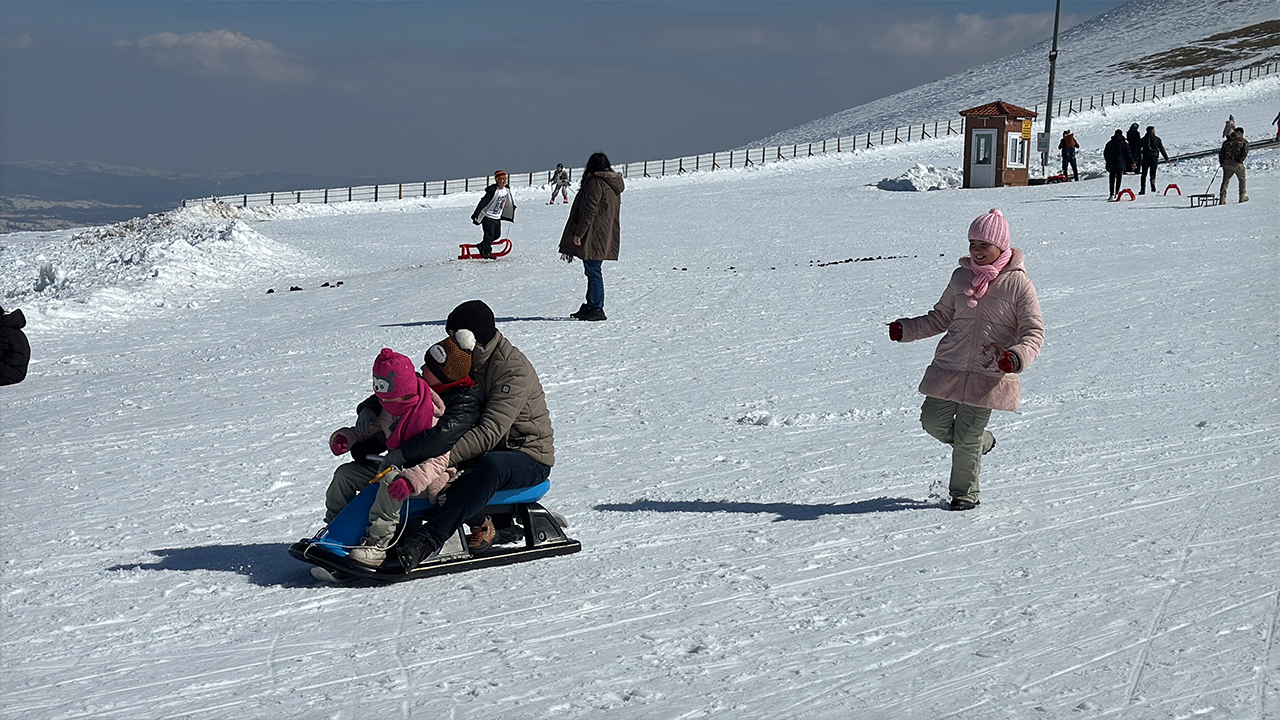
[
  {"x": 1092, "y": 58},
  {"x": 738, "y": 450}
]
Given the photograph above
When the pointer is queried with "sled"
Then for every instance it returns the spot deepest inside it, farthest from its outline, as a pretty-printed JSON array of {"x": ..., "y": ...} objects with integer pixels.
[
  {"x": 1124, "y": 192},
  {"x": 1055, "y": 179},
  {"x": 1171, "y": 186},
  {"x": 542, "y": 532},
  {"x": 472, "y": 252},
  {"x": 1205, "y": 200}
]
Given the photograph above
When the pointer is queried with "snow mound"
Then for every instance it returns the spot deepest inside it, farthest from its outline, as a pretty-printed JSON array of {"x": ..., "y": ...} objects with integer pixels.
[
  {"x": 924, "y": 177},
  {"x": 162, "y": 260}
]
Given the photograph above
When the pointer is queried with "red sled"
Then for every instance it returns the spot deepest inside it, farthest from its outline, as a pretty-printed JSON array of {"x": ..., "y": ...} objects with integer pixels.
[
  {"x": 472, "y": 252},
  {"x": 1124, "y": 192}
]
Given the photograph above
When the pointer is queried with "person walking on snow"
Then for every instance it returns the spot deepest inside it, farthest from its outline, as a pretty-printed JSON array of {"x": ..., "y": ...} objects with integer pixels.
[
  {"x": 1152, "y": 150},
  {"x": 1229, "y": 128},
  {"x": 1231, "y": 157},
  {"x": 593, "y": 233},
  {"x": 1276, "y": 122},
  {"x": 510, "y": 446},
  {"x": 991, "y": 317},
  {"x": 496, "y": 205},
  {"x": 1134, "y": 139},
  {"x": 1068, "y": 146},
  {"x": 1119, "y": 161},
  {"x": 559, "y": 184}
]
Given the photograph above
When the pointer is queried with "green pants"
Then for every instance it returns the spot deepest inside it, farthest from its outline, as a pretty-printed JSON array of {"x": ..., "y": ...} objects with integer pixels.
[
  {"x": 964, "y": 428},
  {"x": 348, "y": 480}
]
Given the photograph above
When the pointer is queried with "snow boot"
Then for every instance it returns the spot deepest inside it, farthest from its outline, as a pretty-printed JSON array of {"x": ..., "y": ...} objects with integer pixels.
[
  {"x": 962, "y": 504},
  {"x": 482, "y": 535},
  {"x": 581, "y": 311},
  {"x": 371, "y": 551},
  {"x": 414, "y": 548},
  {"x": 593, "y": 315}
]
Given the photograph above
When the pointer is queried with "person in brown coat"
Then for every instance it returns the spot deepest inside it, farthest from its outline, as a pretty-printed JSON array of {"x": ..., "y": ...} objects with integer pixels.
[
  {"x": 1231, "y": 157},
  {"x": 994, "y": 330},
  {"x": 592, "y": 232}
]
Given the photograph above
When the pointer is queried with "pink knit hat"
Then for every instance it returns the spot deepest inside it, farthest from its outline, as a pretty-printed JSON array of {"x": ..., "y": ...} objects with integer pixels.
[
  {"x": 393, "y": 375},
  {"x": 991, "y": 228}
]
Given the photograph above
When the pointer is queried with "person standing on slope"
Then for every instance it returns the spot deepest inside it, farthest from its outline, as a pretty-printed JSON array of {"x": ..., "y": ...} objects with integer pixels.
[
  {"x": 1230, "y": 127},
  {"x": 559, "y": 184},
  {"x": 1068, "y": 146},
  {"x": 593, "y": 233},
  {"x": 1134, "y": 138},
  {"x": 1119, "y": 161},
  {"x": 1231, "y": 157},
  {"x": 1152, "y": 150},
  {"x": 991, "y": 317},
  {"x": 496, "y": 205}
]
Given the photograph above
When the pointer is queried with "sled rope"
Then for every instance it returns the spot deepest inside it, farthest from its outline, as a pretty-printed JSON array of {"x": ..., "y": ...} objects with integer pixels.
[{"x": 400, "y": 524}]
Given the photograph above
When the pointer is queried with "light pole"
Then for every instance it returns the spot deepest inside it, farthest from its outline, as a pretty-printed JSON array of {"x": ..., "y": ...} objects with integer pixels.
[{"x": 1048, "y": 110}]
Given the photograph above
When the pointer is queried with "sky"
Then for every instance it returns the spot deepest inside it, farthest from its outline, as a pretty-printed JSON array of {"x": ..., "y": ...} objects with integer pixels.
[{"x": 411, "y": 91}]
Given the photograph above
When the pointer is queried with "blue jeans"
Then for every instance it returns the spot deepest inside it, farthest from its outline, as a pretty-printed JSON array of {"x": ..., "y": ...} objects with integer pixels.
[
  {"x": 595, "y": 283},
  {"x": 495, "y": 470}
]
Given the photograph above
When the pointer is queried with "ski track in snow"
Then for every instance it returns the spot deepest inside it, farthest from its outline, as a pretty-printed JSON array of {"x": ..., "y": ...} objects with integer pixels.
[{"x": 738, "y": 450}]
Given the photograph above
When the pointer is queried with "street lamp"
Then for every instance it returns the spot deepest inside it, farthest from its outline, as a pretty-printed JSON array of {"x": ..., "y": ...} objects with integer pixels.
[{"x": 1048, "y": 111}]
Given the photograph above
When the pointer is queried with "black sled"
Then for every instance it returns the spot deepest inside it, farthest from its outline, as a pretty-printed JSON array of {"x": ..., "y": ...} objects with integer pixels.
[{"x": 538, "y": 532}]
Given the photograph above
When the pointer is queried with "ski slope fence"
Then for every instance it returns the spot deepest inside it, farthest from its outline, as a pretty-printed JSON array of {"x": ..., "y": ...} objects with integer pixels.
[{"x": 725, "y": 159}]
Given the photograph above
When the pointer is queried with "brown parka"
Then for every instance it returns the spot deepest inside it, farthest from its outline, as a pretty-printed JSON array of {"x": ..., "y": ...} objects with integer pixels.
[
  {"x": 594, "y": 218},
  {"x": 515, "y": 415},
  {"x": 965, "y": 365}
]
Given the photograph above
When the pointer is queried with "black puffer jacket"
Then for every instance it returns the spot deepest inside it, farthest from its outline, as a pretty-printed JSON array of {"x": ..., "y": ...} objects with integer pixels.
[
  {"x": 1152, "y": 149},
  {"x": 1117, "y": 154},
  {"x": 462, "y": 406},
  {"x": 15, "y": 350}
]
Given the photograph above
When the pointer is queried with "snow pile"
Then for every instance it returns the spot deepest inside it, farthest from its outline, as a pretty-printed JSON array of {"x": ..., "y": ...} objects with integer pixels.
[
  {"x": 157, "y": 261},
  {"x": 924, "y": 177}
]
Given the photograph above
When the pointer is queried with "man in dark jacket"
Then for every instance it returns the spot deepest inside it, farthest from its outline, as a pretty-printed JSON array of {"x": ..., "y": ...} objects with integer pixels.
[
  {"x": 15, "y": 350},
  {"x": 511, "y": 446},
  {"x": 1119, "y": 161},
  {"x": 1152, "y": 150},
  {"x": 1134, "y": 138},
  {"x": 1231, "y": 157}
]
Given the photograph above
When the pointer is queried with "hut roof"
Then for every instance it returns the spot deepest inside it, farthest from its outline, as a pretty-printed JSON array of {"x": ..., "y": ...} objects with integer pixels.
[{"x": 998, "y": 108}]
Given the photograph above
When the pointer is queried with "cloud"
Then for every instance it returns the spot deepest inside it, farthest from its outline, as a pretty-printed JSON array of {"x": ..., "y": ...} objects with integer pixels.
[
  {"x": 223, "y": 54},
  {"x": 22, "y": 42},
  {"x": 961, "y": 35}
]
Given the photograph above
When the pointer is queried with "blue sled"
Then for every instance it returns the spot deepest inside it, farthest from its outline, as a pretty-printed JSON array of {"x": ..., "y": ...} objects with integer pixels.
[{"x": 542, "y": 531}]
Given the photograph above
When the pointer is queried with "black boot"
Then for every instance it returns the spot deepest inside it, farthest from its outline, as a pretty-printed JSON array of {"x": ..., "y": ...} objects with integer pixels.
[
  {"x": 581, "y": 311},
  {"x": 413, "y": 548},
  {"x": 593, "y": 314}
]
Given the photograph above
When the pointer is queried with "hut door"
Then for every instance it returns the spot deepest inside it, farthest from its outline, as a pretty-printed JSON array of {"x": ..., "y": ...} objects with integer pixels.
[{"x": 982, "y": 166}]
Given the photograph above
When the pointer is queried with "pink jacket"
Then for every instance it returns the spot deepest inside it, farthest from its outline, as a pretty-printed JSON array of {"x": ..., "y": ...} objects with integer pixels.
[
  {"x": 429, "y": 476},
  {"x": 964, "y": 367}
]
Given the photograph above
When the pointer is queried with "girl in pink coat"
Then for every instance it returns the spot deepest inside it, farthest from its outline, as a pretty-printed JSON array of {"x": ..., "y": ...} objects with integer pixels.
[{"x": 991, "y": 318}]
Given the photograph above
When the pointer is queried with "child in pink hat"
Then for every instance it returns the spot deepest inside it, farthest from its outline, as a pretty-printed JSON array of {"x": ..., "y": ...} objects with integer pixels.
[
  {"x": 991, "y": 317},
  {"x": 402, "y": 407}
]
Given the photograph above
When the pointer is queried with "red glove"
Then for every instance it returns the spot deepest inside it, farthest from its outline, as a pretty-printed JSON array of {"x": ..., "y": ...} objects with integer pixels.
[
  {"x": 400, "y": 490},
  {"x": 1009, "y": 362},
  {"x": 895, "y": 331},
  {"x": 338, "y": 443}
]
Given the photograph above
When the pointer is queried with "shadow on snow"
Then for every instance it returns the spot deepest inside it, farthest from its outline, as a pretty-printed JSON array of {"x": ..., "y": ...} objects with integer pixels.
[
  {"x": 784, "y": 511},
  {"x": 440, "y": 323},
  {"x": 265, "y": 564}
]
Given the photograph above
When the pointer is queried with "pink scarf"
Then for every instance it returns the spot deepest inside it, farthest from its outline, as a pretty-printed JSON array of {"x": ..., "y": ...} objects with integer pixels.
[
  {"x": 983, "y": 275},
  {"x": 414, "y": 415}
]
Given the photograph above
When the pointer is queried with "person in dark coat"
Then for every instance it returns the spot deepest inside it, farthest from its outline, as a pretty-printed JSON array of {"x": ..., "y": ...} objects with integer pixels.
[
  {"x": 1231, "y": 157},
  {"x": 1068, "y": 147},
  {"x": 1134, "y": 137},
  {"x": 15, "y": 350},
  {"x": 1152, "y": 150},
  {"x": 1119, "y": 161},
  {"x": 497, "y": 204},
  {"x": 592, "y": 233}
]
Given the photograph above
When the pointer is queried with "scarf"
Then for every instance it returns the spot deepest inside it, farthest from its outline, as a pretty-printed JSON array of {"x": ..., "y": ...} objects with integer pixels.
[
  {"x": 414, "y": 415},
  {"x": 983, "y": 275}
]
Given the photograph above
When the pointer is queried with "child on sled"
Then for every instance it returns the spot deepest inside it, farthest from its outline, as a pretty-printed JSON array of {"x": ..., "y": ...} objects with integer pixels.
[
  {"x": 991, "y": 317},
  {"x": 416, "y": 419}
]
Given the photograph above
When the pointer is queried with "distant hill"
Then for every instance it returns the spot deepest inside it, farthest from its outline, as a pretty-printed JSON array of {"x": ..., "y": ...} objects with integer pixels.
[
  {"x": 49, "y": 196},
  {"x": 1139, "y": 43}
]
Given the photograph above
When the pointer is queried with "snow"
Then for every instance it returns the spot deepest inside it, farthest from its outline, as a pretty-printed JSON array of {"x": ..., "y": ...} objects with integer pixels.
[{"x": 738, "y": 449}]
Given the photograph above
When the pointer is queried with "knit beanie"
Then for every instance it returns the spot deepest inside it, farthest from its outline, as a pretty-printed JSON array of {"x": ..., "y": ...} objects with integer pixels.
[
  {"x": 475, "y": 316},
  {"x": 450, "y": 359},
  {"x": 499, "y": 174},
  {"x": 393, "y": 375},
  {"x": 991, "y": 228}
]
